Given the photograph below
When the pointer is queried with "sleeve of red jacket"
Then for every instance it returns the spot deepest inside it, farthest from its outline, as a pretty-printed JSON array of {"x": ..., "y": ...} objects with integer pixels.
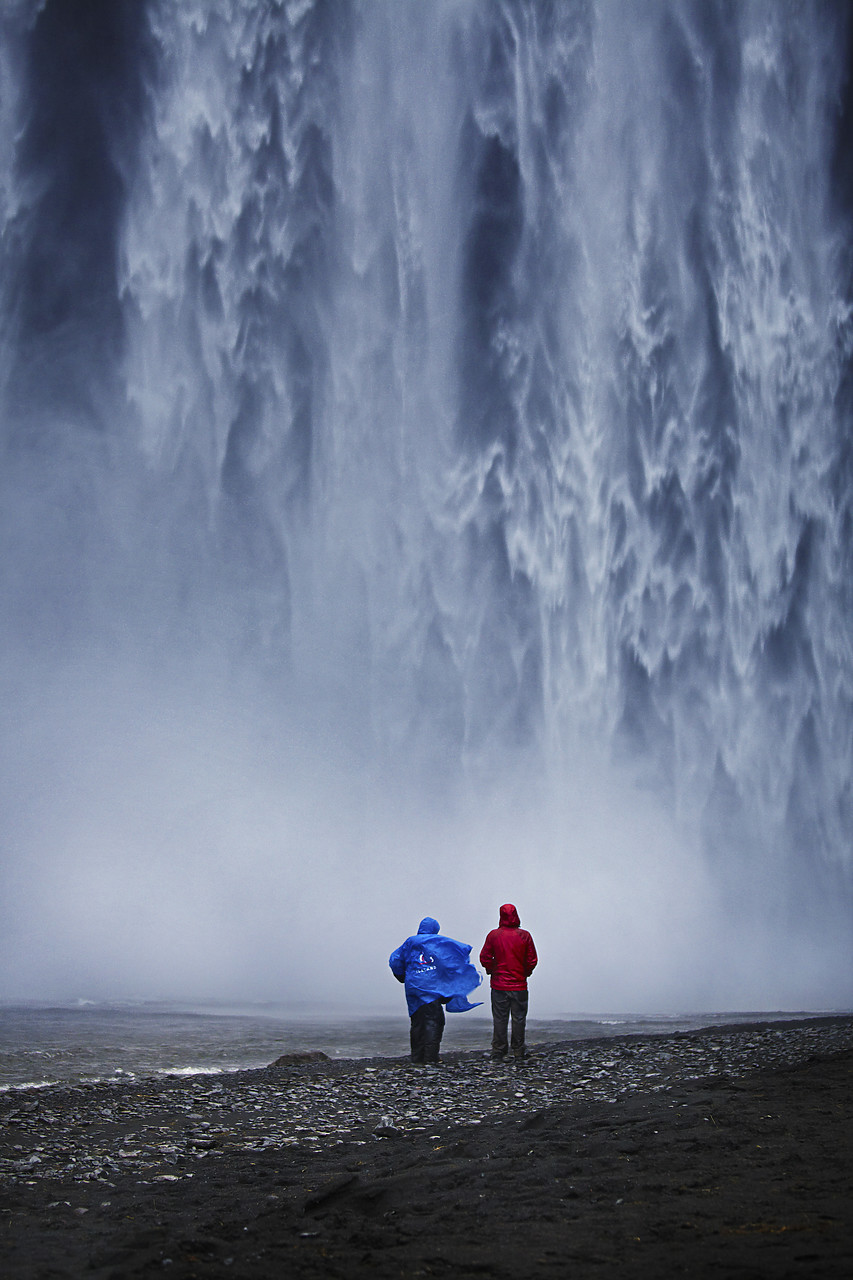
[
  {"x": 531, "y": 959},
  {"x": 487, "y": 955}
]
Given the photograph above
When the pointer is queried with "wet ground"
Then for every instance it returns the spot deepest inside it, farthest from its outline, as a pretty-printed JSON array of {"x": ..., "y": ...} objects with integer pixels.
[{"x": 717, "y": 1152}]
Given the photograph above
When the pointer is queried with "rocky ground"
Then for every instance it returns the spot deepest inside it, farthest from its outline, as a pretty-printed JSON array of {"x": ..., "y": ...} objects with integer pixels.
[{"x": 721, "y": 1152}]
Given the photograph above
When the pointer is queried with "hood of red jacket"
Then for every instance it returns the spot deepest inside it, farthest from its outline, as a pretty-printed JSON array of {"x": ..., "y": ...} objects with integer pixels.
[{"x": 509, "y": 916}]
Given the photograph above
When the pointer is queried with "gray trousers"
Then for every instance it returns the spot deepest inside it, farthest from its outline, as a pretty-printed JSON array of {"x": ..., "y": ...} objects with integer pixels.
[{"x": 506, "y": 1004}]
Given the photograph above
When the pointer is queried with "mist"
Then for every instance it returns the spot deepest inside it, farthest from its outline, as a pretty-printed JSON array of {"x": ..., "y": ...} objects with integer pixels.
[
  {"x": 426, "y": 484},
  {"x": 165, "y": 847}
]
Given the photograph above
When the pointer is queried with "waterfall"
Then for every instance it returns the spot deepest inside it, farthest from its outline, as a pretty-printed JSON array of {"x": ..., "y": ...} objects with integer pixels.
[{"x": 427, "y": 475}]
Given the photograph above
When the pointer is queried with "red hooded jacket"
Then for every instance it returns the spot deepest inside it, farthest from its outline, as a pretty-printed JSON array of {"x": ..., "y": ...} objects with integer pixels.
[{"x": 508, "y": 954}]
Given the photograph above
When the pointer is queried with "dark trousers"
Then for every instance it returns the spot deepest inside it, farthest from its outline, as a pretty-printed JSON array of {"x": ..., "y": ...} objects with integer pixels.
[
  {"x": 506, "y": 1004},
  {"x": 426, "y": 1031}
]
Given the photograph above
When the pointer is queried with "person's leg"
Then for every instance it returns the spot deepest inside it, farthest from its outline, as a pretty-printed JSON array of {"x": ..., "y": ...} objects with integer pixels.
[
  {"x": 416, "y": 1035},
  {"x": 518, "y": 1009},
  {"x": 433, "y": 1029},
  {"x": 500, "y": 1019}
]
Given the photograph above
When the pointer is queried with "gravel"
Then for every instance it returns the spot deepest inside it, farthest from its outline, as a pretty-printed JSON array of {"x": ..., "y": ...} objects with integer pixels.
[{"x": 159, "y": 1129}]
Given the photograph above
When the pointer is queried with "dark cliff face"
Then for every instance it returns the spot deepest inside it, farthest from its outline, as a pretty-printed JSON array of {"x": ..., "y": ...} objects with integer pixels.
[
  {"x": 86, "y": 66},
  {"x": 842, "y": 189},
  {"x": 842, "y": 167}
]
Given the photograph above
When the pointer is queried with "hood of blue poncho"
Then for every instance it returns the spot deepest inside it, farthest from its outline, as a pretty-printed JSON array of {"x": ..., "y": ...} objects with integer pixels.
[{"x": 428, "y": 925}]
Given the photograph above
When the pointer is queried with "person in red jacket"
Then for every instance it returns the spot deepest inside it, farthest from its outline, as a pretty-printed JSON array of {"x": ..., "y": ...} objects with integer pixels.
[{"x": 509, "y": 957}]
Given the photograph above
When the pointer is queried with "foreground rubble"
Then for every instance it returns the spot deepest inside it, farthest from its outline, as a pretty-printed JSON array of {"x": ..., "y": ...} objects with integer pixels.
[{"x": 160, "y": 1129}]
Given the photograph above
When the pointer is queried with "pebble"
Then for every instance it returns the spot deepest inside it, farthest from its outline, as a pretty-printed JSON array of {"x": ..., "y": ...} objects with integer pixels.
[{"x": 158, "y": 1130}]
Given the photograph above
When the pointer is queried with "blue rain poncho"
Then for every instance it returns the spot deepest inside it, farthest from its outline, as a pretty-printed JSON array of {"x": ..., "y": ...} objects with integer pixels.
[{"x": 435, "y": 968}]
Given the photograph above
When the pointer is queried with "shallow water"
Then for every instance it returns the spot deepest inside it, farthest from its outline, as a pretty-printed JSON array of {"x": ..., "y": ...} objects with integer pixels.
[{"x": 42, "y": 1044}]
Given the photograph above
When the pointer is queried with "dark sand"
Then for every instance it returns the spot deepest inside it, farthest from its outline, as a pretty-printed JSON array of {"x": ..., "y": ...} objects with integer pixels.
[{"x": 746, "y": 1171}]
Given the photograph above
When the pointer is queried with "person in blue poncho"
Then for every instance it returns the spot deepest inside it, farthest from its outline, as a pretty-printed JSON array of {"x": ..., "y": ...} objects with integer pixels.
[{"x": 437, "y": 973}]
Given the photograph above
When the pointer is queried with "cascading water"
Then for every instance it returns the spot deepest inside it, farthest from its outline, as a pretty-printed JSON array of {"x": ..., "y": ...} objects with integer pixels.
[{"x": 427, "y": 482}]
